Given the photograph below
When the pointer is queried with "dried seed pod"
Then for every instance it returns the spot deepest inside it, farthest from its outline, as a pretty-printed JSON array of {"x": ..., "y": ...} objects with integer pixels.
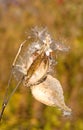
[
  {"x": 50, "y": 92},
  {"x": 32, "y": 69}
]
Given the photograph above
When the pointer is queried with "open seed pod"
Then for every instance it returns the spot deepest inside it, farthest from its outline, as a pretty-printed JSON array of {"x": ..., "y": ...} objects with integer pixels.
[{"x": 50, "y": 92}]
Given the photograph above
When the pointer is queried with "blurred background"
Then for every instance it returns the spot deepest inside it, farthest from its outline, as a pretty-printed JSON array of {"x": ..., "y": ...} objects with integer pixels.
[{"x": 64, "y": 20}]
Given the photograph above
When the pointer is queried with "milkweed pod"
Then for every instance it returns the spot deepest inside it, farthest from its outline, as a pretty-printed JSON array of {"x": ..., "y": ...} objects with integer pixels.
[{"x": 50, "y": 92}]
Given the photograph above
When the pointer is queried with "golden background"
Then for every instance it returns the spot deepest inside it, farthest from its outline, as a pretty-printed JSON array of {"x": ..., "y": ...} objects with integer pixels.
[{"x": 64, "y": 19}]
